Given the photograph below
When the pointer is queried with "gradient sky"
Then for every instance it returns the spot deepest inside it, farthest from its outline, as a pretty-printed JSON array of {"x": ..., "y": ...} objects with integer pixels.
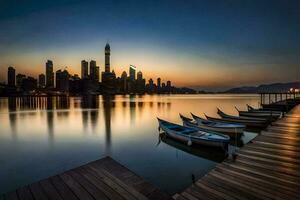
[{"x": 201, "y": 44}]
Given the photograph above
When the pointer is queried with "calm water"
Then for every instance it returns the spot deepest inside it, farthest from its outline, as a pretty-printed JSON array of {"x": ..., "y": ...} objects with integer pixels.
[{"x": 40, "y": 137}]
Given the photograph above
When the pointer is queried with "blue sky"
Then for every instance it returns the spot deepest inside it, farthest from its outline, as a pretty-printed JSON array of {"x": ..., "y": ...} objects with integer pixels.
[{"x": 201, "y": 44}]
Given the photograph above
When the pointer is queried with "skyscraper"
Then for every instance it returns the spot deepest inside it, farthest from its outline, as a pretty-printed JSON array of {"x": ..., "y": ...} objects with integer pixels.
[
  {"x": 140, "y": 83},
  {"x": 97, "y": 69},
  {"x": 62, "y": 80},
  {"x": 19, "y": 79},
  {"x": 11, "y": 76},
  {"x": 139, "y": 75},
  {"x": 132, "y": 70},
  {"x": 84, "y": 69},
  {"x": 123, "y": 82},
  {"x": 94, "y": 70},
  {"x": 42, "y": 80},
  {"x": 49, "y": 74},
  {"x": 107, "y": 57},
  {"x": 158, "y": 82}
]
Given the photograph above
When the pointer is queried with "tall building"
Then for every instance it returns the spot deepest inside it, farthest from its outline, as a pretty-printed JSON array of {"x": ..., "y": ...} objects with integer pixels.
[
  {"x": 42, "y": 80},
  {"x": 97, "y": 69},
  {"x": 58, "y": 78},
  {"x": 169, "y": 87},
  {"x": 132, "y": 70},
  {"x": 11, "y": 76},
  {"x": 84, "y": 69},
  {"x": 139, "y": 75},
  {"x": 49, "y": 74},
  {"x": 107, "y": 57},
  {"x": 19, "y": 79},
  {"x": 93, "y": 66},
  {"x": 140, "y": 83},
  {"x": 62, "y": 80},
  {"x": 124, "y": 81},
  {"x": 158, "y": 82}
]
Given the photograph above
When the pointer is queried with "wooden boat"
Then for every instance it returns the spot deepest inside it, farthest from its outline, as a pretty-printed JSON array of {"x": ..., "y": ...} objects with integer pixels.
[
  {"x": 248, "y": 121},
  {"x": 193, "y": 135},
  {"x": 231, "y": 129},
  {"x": 261, "y": 110},
  {"x": 271, "y": 115}
]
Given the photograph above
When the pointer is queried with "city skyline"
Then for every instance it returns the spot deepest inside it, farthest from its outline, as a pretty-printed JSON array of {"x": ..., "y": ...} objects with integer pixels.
[
  {"x": 216, "y": 44},
  {"x": 61, "y": 82}
]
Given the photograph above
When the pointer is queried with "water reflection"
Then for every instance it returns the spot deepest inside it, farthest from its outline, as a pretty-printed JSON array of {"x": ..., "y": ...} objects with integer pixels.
[
  {"x": 201, "y": 151},
  {"x": 51, "y": 130}
]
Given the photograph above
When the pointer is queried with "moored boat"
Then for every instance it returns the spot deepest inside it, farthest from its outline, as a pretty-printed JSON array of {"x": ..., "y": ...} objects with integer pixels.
[
  {"x": 191, "y": 135},
  {"x": 248, "y": 121},
  {"x": 272, "y": 115},
  {"x": 231, "y": 129}
]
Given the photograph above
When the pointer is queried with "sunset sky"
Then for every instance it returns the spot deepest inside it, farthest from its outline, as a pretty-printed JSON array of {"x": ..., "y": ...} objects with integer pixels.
[{"x": 201, "y": 44}]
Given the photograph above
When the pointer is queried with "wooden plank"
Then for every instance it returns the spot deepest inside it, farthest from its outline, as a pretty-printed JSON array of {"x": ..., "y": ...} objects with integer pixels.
[
  {"x": 24, "y": 193},
  {"x": 188, "y": 196},
  {"x": 258, "y": 164},
  {"x": 37, "y": 191},
  {"x": 257, "y": 183},
  {"x": 109, "y": 192},
  {"x": 250, "y": 190},
  {"x": 130, "y": 178},
  {"x": 75, "y": 187},
  {"x": 119, "y": 182},
  {"x": 279, "y": 146},
  {"x": 279, "y": 178},
  {"x": 63, "y": 190},
  {"x": 89, "y": 187},
  {"x": 273, "y": 156},
  {"x": 117, "y": 188},
  {"x": 277, "y": 141},
  {"x": 11, "y": 196},
  {"x": 50, "y": 190},
  {"x": 179, "y": 197},
  {"x": 198, "y": 193},
  {"x": 221, "y": 187},
  {"x": 271, "y": 150},
  {"x": 231, "y": 186},
  {"x": 211, "y": 190},
  {"x": 266, "y": 160},
  {"x": 263, "y": 179}
]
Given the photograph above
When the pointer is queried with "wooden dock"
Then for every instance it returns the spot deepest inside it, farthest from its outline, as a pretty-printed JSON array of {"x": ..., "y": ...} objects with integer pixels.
[
  {"x": 102, "y": 179},
  {"x": 266, "y": 168}
]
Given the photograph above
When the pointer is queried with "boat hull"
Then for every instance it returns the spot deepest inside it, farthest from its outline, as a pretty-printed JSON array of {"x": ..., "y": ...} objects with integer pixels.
[
  {"x": 185, "y": 139},
  {"x": 232, "y": 132},
  {"x": 263, "y": 115},
  {"x": 258, "y": 124}
]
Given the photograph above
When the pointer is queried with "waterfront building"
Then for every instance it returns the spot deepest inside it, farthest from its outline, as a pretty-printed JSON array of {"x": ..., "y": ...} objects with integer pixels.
[
  {"x": 19, "y": 79},
  {"x": 140, "y": 83},
  {"x": 132, "y": 70},
  {"x": 84, "y": 69},
  {"x": 107, "y": 58},
  {"x": 108, "y": 78},
  {"x": 42, "y": 80},
  {"x": 49, "y": 74},
  {"x": 11, "y": 76},
  {"x": 29, "y": 84},
  {"x": 123, "y": 83},
  {"x": 169, "y": 87},
  {"x": 158, "y": 82},
  {"x": 97, "y": 73},
  {"x": 62, "y": 80},
  {"x": 58, "y": 79},
  {"x": 94, "y": 71}
]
